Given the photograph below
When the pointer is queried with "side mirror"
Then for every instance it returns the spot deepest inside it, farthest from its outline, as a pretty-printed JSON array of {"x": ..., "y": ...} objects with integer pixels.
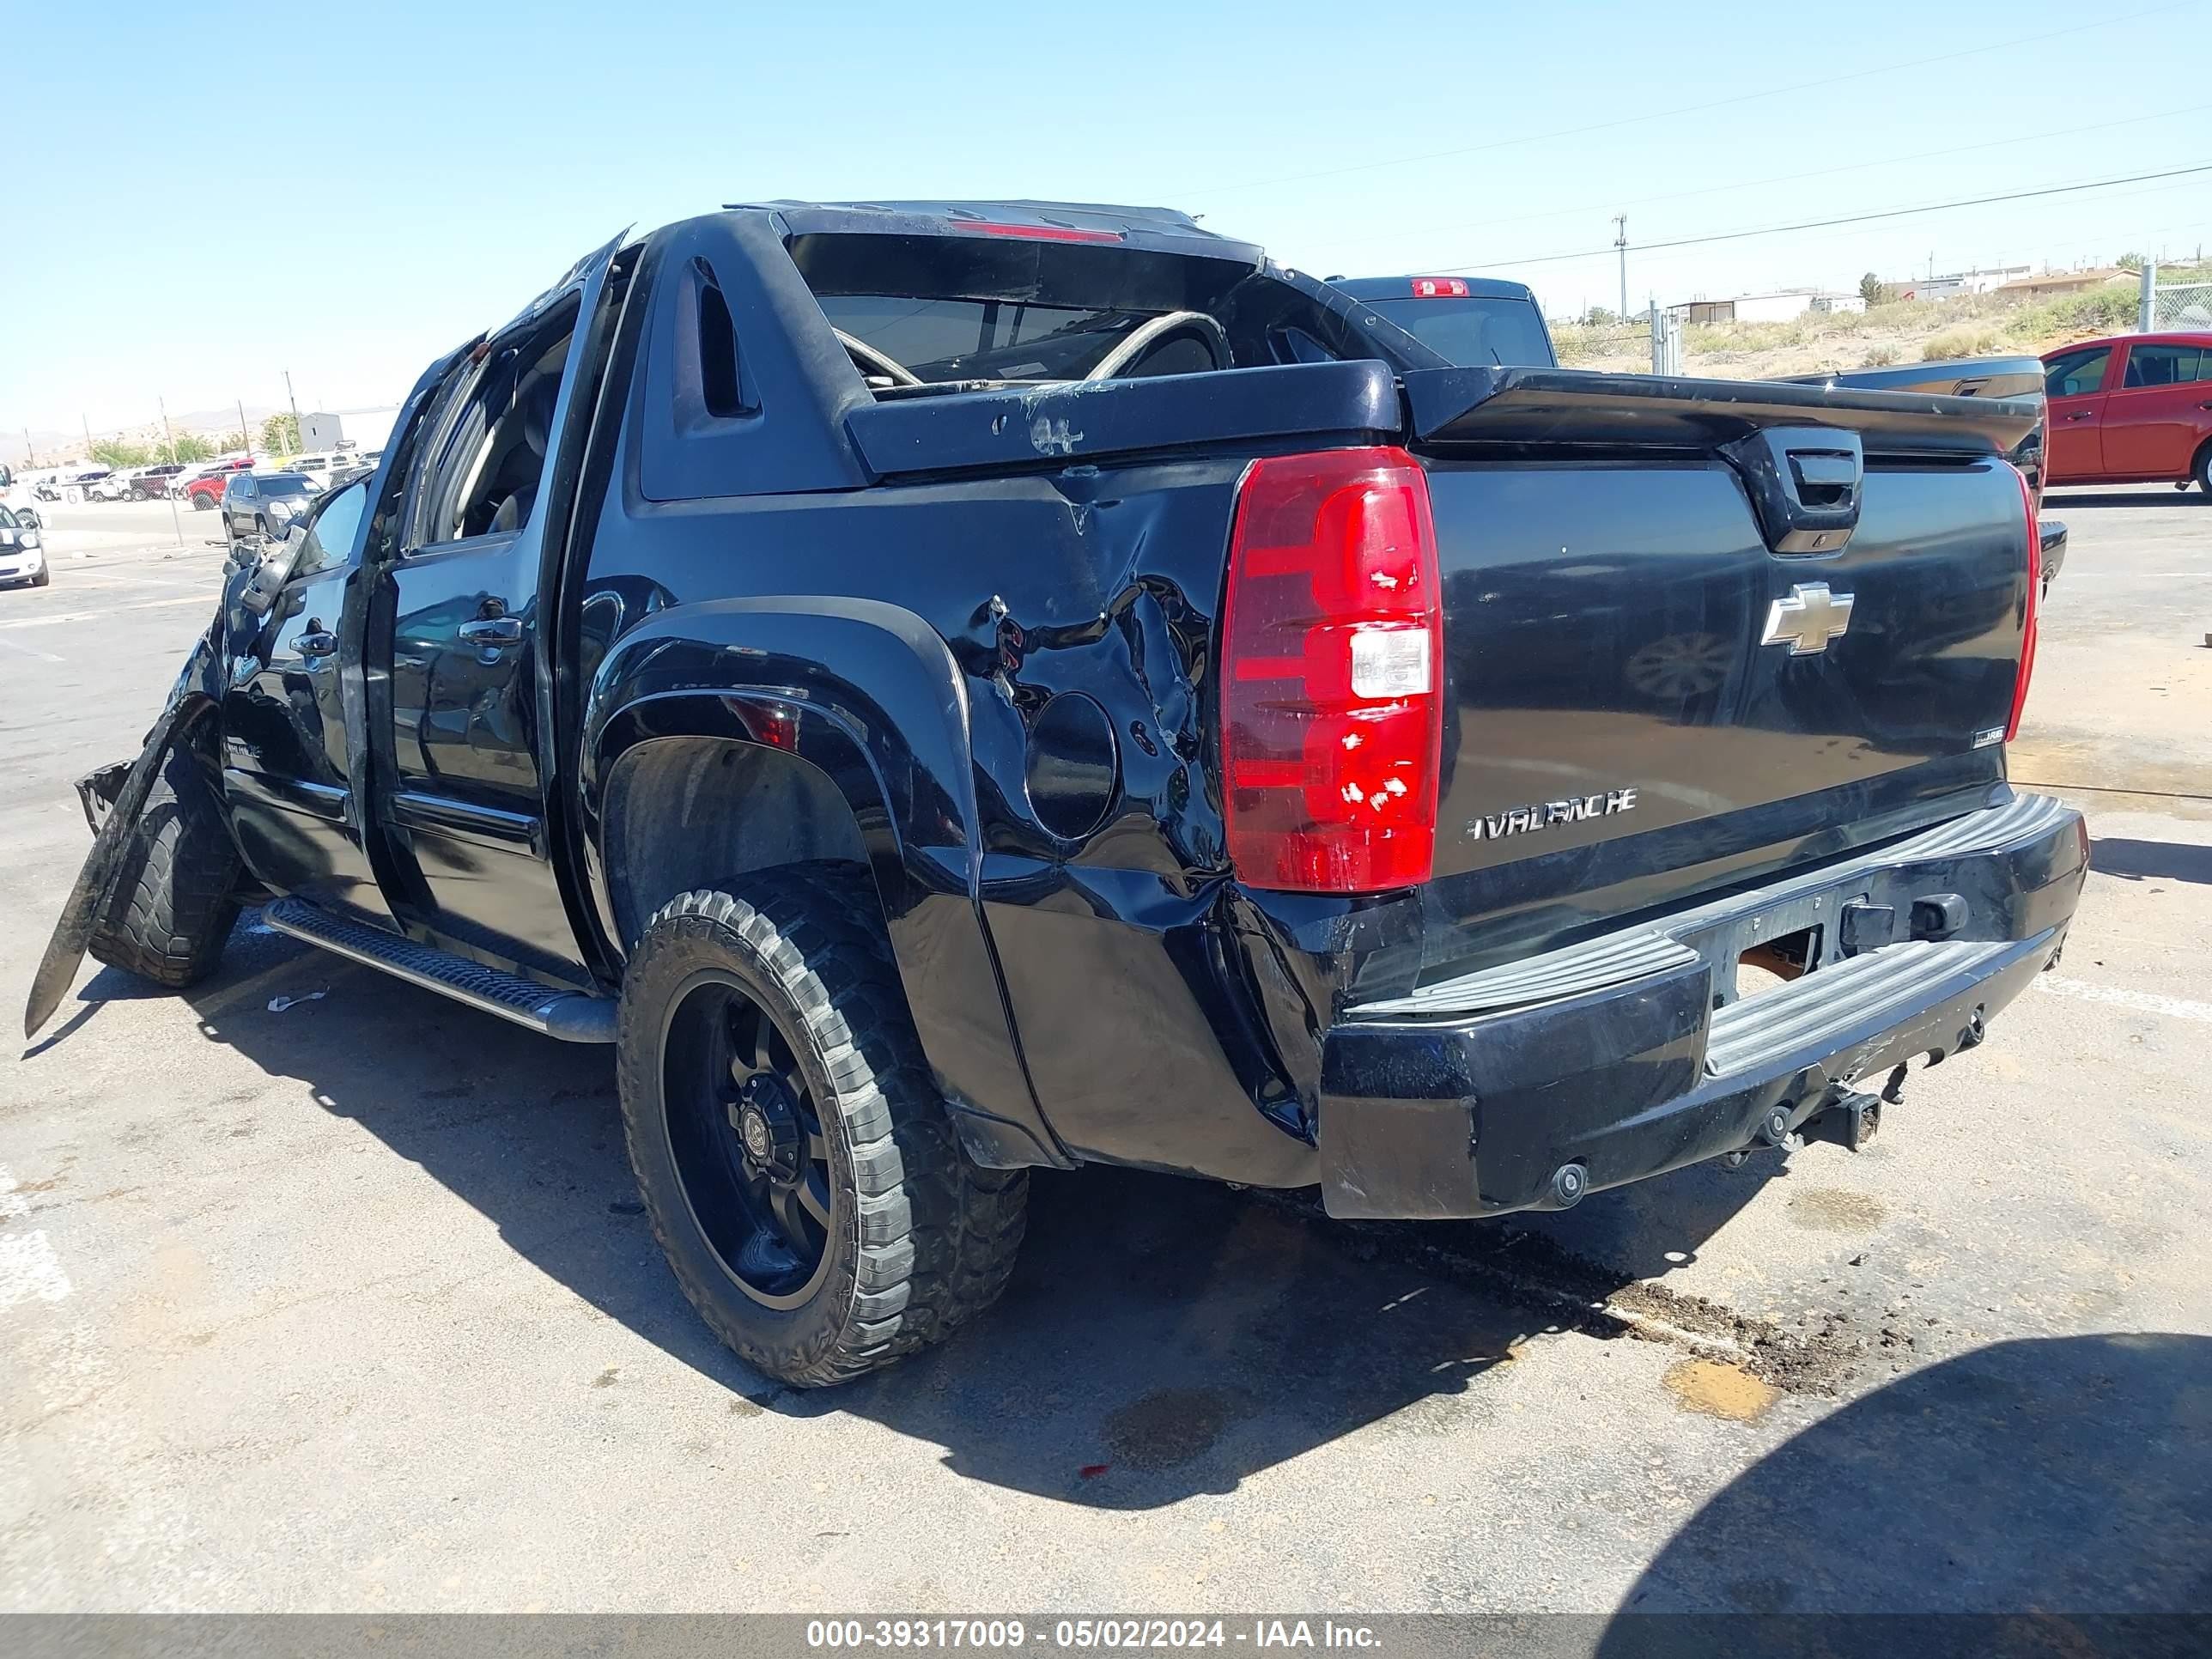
[{"x": 26, "y": 517}]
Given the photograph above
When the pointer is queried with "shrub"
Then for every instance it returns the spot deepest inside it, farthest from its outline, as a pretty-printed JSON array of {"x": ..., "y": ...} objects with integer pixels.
[{"x": 1974, "y": 340}]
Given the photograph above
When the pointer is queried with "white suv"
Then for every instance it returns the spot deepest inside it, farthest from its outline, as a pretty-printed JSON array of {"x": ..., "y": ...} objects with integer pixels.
[{"x": 21, "y": 557}]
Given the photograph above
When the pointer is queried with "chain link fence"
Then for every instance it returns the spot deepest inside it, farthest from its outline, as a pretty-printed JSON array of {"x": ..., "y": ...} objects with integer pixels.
[{"x": 2171, "y": 305}]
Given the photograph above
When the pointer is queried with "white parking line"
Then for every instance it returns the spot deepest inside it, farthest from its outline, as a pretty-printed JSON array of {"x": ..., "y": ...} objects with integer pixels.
[
  {"x": 2148, "y": 1002},
  {"x": 35, "y": 656},
  {"x": 29, "y": 1269},
  {"x": 94, "y": 615}
]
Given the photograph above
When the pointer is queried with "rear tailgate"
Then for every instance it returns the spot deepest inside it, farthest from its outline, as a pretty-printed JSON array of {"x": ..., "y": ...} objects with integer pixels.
[{"x": 1676, "y": 656}]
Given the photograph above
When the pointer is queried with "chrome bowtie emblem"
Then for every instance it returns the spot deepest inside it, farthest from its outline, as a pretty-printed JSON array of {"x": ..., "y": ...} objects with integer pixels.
[{"x": 1808, "y": 619}]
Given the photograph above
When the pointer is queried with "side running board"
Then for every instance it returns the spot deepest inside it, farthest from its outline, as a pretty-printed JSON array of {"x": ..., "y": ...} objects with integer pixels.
[{"x": 569, "y": 1016}]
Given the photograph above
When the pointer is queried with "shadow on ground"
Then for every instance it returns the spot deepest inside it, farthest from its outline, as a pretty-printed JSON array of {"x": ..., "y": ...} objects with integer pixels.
[
  {"x": 1162, "y": 1336},
  {"x": 2150, "y": 861},
  {"x": 2065, "y": 1477}
]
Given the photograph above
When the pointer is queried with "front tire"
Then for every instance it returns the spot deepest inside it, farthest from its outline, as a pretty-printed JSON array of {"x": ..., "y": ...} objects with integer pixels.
[
  {"x": 2203, "y": 469},
  {"x": 46, "y": 575},
  {"x": 169, "y": 913},
  {"x": 795, "y": 1159}
]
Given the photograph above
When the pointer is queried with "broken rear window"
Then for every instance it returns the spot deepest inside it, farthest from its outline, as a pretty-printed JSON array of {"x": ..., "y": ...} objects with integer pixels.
[{"x": 958, "y": 339}]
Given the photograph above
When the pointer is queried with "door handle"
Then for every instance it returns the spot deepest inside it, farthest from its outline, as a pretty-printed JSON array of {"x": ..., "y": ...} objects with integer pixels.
[
  {"x": 316, "y": 643},
  {"x": 2084, "y": 415},
  {"x": 492, "y": 631}
]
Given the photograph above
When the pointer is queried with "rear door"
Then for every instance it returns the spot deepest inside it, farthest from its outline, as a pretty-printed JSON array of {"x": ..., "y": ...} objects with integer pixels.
[
  {"x": 2156, "y": 415},
  {"x": 238, "y": 504},
  {"x": 2076, "y": 383},
  {"x": 459, "y": 631}
]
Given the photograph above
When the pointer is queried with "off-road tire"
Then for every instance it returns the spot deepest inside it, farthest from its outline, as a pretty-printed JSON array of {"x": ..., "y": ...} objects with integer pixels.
[
  {"x": 175, "y": 897},
  {"x": 924, "y": 1238}
]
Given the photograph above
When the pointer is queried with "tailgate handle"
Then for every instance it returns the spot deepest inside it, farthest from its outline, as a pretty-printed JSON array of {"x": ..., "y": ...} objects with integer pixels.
[{"x": 1804, "y": 485}]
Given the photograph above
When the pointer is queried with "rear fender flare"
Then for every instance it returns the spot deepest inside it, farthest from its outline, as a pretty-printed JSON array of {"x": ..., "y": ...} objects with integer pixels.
[{"x": 868, "y": 693}]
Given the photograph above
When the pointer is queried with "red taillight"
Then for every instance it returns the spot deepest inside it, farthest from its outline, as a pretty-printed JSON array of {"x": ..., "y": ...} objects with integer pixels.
[
  {"x": 2034, "y": 596},
  {"x": 1039, "y": 232},
  {"x": 1439, "y": 288},
  {"x": 1332, "y": 674}
]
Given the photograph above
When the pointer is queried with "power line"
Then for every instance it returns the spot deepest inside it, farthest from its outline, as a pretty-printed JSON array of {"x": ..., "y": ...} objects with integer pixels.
[
  {"x": 2009, "y": 142},
  {"x": 1822, "y": 224},
  {"x": 2013, "y": 245},
  {"x": 1406, "y": 158}
]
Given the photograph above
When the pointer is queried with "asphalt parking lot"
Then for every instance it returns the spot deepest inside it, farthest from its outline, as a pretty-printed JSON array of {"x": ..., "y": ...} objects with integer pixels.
[{"x": 348, "y": 1304}]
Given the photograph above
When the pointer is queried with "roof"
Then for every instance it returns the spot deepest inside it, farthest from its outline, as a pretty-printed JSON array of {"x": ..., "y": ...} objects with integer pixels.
[
  {"x": 2193, "y": 337},
  {"x": 2067, "y": 279},
  {"x": 1371, "y": 289},
  {"x": 1163, "y": 229}
]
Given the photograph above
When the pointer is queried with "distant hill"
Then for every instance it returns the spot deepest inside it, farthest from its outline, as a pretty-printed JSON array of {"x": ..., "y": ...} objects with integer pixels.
[{"x": 54, "y": 448}]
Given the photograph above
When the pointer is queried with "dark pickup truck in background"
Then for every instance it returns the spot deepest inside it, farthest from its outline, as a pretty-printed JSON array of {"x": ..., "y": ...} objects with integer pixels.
[
  {"x": 949, "y": 688},
  {"x": 1476, "y": 321}
]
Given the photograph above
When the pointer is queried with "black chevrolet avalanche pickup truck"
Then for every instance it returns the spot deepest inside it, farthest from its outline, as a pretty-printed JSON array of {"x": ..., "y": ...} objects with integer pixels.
[{"x": 952, "y": 689}]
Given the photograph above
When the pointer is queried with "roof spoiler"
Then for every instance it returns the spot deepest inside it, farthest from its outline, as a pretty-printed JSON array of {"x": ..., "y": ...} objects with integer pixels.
[{"x": 1553, "y": 406}]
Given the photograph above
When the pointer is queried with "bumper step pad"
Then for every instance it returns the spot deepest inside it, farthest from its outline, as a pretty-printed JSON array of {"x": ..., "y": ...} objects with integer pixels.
[{"x": 1835, "y": 999}]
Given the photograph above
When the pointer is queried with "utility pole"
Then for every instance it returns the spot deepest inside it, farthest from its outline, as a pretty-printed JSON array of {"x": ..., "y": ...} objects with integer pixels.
[
  {"x": 244, "y": 436},
  {"x": 297, "y": 439},
  {"x": 30, "y": 456},
  {"x": 86, "y": 425},
  {"x": 169, "y": 451},
  {"x": 1621, "y": 241}
]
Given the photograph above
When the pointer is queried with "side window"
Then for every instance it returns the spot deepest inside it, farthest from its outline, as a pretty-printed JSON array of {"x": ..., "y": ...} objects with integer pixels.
[
  {"x": 490, "y": 452},
  {"x": 2077, "y": 372},
  {"x": 7, "y": 519},
  {"x": 2160, "y": 365},
  {"x": 335, "y": 533}
]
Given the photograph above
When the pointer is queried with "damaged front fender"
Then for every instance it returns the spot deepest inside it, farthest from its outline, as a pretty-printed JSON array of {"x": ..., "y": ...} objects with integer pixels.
[{"x": 114, "y": 797}]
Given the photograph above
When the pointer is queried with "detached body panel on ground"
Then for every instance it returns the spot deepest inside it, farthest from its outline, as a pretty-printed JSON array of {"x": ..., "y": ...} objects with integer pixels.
[{"x": 952, "y": 689}]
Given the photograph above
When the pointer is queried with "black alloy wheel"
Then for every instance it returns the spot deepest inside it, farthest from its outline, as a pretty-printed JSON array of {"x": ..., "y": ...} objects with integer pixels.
[{"x": 745, "y": 1136}]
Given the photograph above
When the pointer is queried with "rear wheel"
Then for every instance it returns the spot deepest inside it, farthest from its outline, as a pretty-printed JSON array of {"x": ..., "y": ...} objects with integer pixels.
[
  {"x": 201, "y": 504},
  {"x": 794, "y": 1156},
  {"x": 2203, "y": 469},
  {"x": 170, "y": 910}
]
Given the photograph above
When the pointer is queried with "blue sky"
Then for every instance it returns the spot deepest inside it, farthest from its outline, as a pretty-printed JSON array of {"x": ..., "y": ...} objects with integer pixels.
[{"x": 200, "y": 205}]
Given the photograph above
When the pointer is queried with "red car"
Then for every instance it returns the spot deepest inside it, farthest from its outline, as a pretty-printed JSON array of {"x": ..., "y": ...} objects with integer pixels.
[
  {"x": 205, "y": 491},
  {"x": 2133, "y": 410}
]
